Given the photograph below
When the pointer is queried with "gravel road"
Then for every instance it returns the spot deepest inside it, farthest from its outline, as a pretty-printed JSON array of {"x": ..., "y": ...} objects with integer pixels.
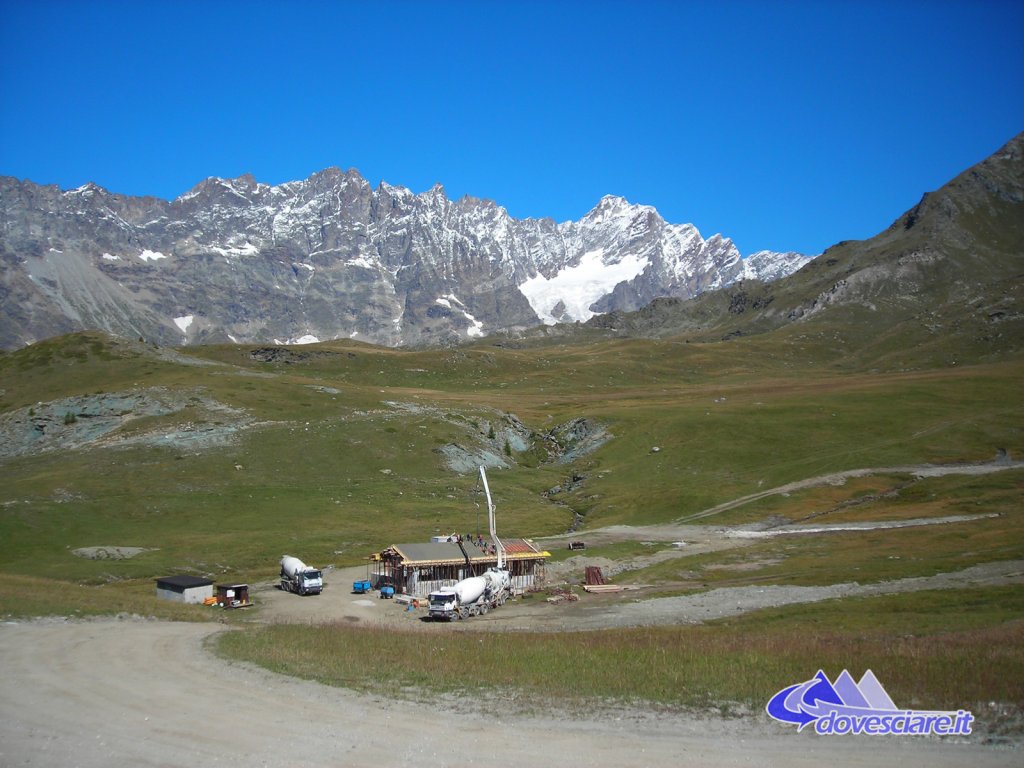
[
  {"x": 147, "y": 693},
  {"x": 1001, "y": 463}
]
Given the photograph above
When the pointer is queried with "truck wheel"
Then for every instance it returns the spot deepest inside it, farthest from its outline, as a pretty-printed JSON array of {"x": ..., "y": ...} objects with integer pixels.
[{"x": 485, "y": 608}]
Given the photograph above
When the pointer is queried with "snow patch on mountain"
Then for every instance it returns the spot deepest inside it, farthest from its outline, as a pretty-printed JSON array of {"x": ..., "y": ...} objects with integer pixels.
[
  {"x": 569, "y": 294},
  {"x": 451, "y": 301},
  {"x": 248, "y": 249},
  {"x": 306, "y": 339},
  {"x": 769, "y": 265},
  {"x": 476, "y": 328},
  {"x": 361, "y": 261}
]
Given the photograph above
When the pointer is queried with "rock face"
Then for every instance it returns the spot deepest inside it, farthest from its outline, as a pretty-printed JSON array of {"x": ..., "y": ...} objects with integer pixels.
[
  {"x": 940, "y": 286},
  {"x": 330, "y": 257}
]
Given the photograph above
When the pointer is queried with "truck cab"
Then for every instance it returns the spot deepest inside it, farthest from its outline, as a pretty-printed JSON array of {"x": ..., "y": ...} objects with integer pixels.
[
  {"x": 443, "y": 603},
  {"x": 311, "y": 582}
]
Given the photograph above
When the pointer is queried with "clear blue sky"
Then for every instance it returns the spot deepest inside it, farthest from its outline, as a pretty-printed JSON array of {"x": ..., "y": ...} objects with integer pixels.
[{"x": 783, "y": 125}]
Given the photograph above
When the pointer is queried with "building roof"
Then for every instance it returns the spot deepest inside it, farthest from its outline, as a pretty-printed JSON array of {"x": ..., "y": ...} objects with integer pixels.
[
  {"x": 425, "y": 552},
  {"x": 519, "y": 547},
  {"x": 183, "y": 582},
  {"x": 441, "y": 553}
]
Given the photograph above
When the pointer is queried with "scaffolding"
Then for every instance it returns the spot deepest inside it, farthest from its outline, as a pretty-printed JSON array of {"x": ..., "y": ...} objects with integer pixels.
[{"x": 421, "y": 568}]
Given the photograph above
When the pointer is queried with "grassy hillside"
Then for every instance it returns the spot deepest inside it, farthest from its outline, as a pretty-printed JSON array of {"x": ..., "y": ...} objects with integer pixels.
[
  {"x": 333, "y": 450},
  {"x": 225, "y": 458}
]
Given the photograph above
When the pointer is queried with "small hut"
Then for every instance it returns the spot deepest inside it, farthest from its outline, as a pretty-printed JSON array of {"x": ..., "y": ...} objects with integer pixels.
[
  {"x": 184, "y": 589},
  {"x": 233, "y": 595}
]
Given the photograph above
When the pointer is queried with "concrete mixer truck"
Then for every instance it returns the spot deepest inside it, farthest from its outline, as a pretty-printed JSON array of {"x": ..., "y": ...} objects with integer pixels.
[
  {"x": 299, "y": 578},
  {"x": 475, "y": 595},
  {"x": 471, "y": 597}
]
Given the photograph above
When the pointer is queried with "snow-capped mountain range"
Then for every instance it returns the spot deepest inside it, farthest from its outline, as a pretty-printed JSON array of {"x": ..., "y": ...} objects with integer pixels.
[{"x": 332, "y": 257}]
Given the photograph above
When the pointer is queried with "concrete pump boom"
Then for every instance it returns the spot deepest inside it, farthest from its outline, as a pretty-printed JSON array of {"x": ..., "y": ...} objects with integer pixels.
[
  {"x": 476, "y": 595},
  {"x": 499, "y": 548}
]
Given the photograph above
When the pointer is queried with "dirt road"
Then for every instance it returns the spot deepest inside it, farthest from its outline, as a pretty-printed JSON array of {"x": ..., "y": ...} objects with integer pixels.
[
  {"x": 623, "y": 609},
  {"x": 147, "y": 693},
  {"x": 1000, "y": 464}
]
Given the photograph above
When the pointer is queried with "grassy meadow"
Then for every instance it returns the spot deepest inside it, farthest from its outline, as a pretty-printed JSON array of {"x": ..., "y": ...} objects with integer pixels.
[
  {"x": 332, "y": 452},
  {"x": 934, "y": 650}
]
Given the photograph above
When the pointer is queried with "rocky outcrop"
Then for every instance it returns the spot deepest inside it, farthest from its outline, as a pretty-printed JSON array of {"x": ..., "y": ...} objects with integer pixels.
[{"x": 90, "y": 420}]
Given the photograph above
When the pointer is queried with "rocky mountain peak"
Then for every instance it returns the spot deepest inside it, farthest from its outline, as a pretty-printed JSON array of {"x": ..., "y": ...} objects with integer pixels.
[
  {"x": 612, "y": 207},
  {"x": 89, "y": 188},
  {"x": 329, "y": 257}
]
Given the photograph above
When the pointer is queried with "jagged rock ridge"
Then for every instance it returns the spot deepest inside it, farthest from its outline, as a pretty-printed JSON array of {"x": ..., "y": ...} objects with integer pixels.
[{"x": 331, "y": 257}]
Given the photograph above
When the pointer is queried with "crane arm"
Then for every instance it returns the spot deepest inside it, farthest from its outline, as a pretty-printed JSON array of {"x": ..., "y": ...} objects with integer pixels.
[{"x": 498, "y": 546}]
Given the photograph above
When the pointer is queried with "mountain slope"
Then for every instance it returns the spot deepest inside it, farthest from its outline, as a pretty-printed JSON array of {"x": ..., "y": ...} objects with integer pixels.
[
  {"x": 330, "y": 257},
  {"x": 943, "y": 282}
]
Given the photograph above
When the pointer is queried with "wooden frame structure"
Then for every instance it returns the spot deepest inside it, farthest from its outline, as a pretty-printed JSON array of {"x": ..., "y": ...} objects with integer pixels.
[{"x": 421, "y": 568}]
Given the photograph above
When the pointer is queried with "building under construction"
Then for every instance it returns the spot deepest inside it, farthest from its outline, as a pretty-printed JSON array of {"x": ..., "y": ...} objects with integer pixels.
[{"x": 419, "y": 569}]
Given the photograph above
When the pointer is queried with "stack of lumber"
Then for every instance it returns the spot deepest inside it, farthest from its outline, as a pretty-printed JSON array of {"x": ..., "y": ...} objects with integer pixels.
[
  {"x": 595, "y": 581},
  {"x": 602, "y": 587}
]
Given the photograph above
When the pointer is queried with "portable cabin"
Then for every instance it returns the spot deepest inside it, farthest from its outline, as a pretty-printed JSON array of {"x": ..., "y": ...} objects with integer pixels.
[
  {"x": 233, "y": 595},
  {"x": 184, "y": 589}
]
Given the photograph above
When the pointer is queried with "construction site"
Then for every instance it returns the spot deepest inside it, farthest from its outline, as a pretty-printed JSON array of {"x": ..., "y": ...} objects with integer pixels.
[{"x": 417, "y": 569}]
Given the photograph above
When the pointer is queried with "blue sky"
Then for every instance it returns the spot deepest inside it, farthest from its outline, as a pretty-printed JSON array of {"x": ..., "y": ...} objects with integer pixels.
[{"x": 783, "y": 125}]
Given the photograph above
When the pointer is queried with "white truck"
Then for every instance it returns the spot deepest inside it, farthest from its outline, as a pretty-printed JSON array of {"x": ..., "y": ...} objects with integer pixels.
[
  {"x": 475, "y": 595},
  {"x": 471, "y": 597},
  {"x": 299, "y": 578}
]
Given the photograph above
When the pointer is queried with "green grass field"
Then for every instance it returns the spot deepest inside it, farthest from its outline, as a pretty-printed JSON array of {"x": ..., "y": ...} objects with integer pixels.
[{"x": 323, "y": 464}]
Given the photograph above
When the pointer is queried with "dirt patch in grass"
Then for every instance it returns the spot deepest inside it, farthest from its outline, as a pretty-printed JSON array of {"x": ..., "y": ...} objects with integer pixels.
[
  {"x": 752, "y": 565},
  {"x": 109, "y": 553}
]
